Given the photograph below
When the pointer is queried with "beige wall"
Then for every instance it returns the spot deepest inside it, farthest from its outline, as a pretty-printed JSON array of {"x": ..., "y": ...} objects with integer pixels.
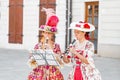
[
  {"x": 30, "y": 24},
  {"x": 108, "y": 50},
  {"x": 109, "y": 29}
]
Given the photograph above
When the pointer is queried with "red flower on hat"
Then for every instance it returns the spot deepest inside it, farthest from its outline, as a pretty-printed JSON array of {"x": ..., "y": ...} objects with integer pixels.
[
  {"x": 53, "y": 29},
  {"x": 42, "y": 26},
  {"x": 86, "y": 26}
]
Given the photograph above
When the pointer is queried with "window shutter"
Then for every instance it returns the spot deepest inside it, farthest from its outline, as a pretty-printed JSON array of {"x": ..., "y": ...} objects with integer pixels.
[{"x": 15, "y": 21}]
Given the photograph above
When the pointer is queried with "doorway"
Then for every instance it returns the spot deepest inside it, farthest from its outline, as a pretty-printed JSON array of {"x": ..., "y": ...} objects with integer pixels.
[{"x": 91, "y": 16}]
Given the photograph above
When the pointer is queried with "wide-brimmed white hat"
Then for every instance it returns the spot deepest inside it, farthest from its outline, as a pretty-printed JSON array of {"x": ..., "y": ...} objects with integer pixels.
[{"x": 82, "y": 26}]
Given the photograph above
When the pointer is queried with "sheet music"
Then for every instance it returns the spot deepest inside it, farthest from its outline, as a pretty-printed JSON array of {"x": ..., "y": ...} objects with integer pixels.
[
  {"x": 44, "y": 57},
  {"x": 51, "y": 58},
  {"x": 41, "y": 62},
  {"x": 37, "y": 56}
]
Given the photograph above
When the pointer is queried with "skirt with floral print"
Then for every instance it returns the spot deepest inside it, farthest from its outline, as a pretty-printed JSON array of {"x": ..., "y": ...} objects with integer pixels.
[{"x": 46, "y": 73}]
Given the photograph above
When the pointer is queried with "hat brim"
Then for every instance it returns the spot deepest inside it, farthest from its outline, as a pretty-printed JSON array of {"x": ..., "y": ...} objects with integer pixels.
[
  {"x": 47, "y": 29},
  {"x": 72, "y": 26}
]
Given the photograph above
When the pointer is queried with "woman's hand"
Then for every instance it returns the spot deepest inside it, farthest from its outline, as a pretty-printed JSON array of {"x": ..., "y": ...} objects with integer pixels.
[
  {"x": 65, "y": 59},
  {"x": 72, "y": 50},
  {"x": 81, "y": 57}
]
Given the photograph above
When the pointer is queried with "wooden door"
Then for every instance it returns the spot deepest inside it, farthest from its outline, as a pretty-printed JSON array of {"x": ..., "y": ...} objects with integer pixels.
[
  {"x": 15, "y": 21},
  {"x": 91, "y": 16},
  {"x": 46, "y": 4}
]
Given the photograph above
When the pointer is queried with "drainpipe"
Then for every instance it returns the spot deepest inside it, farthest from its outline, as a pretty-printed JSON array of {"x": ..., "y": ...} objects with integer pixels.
[
  {"x": 68, "y": 21},
  {"x": 66, "y": 34}
]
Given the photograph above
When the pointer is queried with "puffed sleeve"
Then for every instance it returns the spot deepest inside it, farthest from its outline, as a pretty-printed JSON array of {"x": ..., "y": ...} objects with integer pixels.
[
  {"x": 89, "y": 49},
  {"x": 89, "y": 53}
]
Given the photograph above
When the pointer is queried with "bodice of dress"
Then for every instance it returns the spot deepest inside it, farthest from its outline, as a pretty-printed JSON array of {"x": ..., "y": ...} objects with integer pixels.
[
  {"x": 85, "y": 48},
  {"x": 56, "y": 47}
]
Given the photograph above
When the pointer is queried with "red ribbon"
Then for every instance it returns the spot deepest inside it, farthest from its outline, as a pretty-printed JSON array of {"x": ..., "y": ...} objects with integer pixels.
[{"x": 77, "y": 25}]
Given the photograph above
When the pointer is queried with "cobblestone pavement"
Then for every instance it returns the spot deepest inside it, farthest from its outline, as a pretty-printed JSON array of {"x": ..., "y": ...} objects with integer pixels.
[{"x": 14, "y": 66}]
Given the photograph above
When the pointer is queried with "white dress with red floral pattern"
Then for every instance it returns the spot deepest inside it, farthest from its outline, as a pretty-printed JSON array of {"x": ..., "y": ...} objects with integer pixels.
[
  {"x": 46, "y": 72},
  {"x": 82, "y": 71}
]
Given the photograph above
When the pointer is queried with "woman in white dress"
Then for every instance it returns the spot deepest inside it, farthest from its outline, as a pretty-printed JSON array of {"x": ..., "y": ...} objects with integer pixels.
[{"x": 81, "y": 54}]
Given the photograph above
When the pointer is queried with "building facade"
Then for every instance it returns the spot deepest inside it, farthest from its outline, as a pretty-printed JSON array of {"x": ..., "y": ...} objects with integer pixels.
[{"x": 20, "y": 20}]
